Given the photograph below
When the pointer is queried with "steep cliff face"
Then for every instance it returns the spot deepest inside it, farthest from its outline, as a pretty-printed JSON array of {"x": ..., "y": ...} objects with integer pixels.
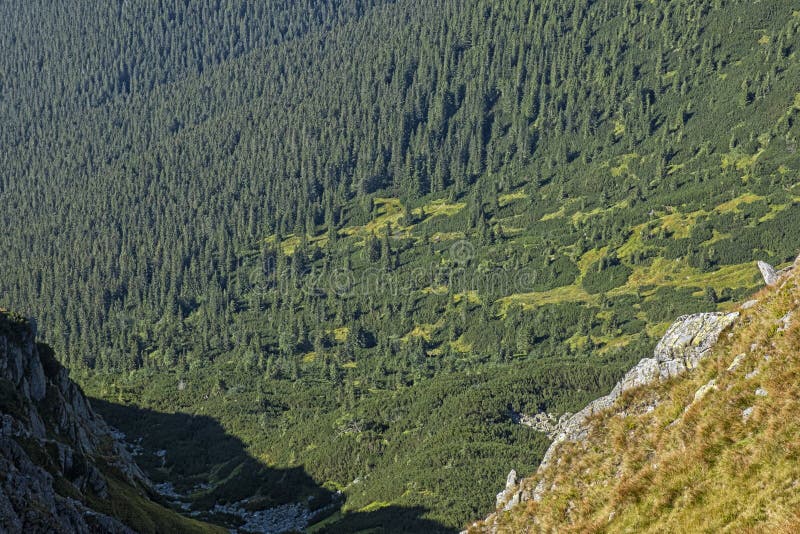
[
  {"x": 668, "y": 449},
  {"x": 62, "y": 469}
]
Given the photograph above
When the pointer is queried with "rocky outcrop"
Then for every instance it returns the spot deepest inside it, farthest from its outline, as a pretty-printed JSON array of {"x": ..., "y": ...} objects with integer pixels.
[
  {"x": 771, "y": 275},
  {"x": 53, "y": 447},
  {"x": 505, "y": 497},
  {"x": 768, "y": 273},
  {"x": 543, "y": 422},
  {"x": 657, "y": 459},
  {"x": 685, "y": 344}
]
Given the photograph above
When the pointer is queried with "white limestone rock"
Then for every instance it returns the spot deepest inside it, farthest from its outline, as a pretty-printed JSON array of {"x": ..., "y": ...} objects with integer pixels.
[
  {"x": 768, "y": 273},
  {"x": 511, "y": 484},
  {"x": 737, "y": 361}
]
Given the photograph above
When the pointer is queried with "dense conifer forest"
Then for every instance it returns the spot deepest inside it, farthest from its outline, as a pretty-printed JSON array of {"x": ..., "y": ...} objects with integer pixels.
[{"x": 363, "y": 234}]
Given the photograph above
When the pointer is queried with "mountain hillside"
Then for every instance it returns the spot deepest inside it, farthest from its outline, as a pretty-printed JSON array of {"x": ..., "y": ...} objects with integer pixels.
[
  {"x": 707, "y": 450},
  {"x": 364, "y": 239},
  {"x": 62, "y": 469}
]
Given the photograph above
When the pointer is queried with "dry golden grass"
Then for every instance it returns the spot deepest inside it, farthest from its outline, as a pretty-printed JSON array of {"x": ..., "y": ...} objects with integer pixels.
[{"x": 691, "y": 465}]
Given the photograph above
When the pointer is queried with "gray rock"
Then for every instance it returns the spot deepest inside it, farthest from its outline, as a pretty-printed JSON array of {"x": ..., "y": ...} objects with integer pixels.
[
  {"x": 53, "y": 434},
  {"x": 546, "y": 423},
  {"x": 761, "y": 392},
  {"x": 752, "y": 374},
  {"x": 293, "y": 517},
  {"x": 784, "y": 322},
  {"x": 689, "y": 340},
  {"x": 511, "y": 483},
  {"x": 513, "y": 501},
  {"x": 705, "y": 390},
  {"x": 768, "y": 273}
]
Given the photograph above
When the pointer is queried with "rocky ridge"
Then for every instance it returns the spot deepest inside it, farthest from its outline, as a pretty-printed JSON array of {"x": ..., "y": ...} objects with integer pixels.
[
  {"x": 54, "y": 450},
  {"x": 685, "y": 344}
]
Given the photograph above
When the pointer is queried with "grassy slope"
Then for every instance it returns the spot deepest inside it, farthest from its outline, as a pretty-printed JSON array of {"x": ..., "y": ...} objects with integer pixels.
[
  {"x": 146, "y": 516},
  {"x": 692, "y": 465}
]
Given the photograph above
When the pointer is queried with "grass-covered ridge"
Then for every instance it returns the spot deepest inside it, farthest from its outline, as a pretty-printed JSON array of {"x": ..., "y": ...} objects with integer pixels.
[{"x": 718, "y": 452}]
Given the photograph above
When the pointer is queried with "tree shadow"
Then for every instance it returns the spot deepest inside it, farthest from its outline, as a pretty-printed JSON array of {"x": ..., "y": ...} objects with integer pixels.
[
  {"x": 389, "y": 520},
  {"x": 195, "y": 462}
]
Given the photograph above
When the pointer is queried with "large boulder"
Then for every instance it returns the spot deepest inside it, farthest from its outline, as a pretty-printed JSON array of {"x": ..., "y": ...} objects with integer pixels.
[{"x": 768, "y": 273}]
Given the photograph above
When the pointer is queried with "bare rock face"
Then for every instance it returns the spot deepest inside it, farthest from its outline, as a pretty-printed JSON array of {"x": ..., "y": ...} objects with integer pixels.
[
  {"x": 505, "y": 496},
  {"x": 768, "y": 273},
  {"x": 772, "y": 276},
  {"x": 705, "y": 389},
  {"x": 543, "y": 422},
  {"x": 50, "y": 440},
  {"x": 689, "y": 340}
]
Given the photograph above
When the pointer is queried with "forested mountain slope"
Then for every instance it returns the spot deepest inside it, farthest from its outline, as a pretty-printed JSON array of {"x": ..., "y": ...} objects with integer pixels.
[
  {"x": 363, "y": 236},
  {"x": 714, "y": 449}
]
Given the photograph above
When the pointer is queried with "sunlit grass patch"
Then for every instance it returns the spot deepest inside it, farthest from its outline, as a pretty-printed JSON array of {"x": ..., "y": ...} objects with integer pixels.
[
  {"x": 664, "y": 272},
  {"x": 446, "y": 236},
  {"x": 589, "y": 258},
  {"x": 577, "y": 342},
  {"x": 739, "y": 161},
  {"x": 633, "y": 244},
  {"x": 623, "y": 166},
  {"x": 424, "y": 331},
  {"x": 716, "y": 235},
  {"x": 435, "y": 290},
  {"x": 511, "y": 231},
  {"x": 615, "y": 342},
  {"x": 580, "y": 216},
  {"x": 471, "y": 296},
  {"x": 680, "y": 224},
  {"x": 290, "y": 243},
  {"x": 571, "y": 293},
  {"x": 375, "y": 505},
  {"x": 459, "y": 345},
  {"x": 439, "y": 208},
  {"x": 733, "y": 204},
  {"x": 388, "y": 211},
  {"x": 775, "y": 209},
  {"x": 556, "y": 214},
  {"x": 340, "y": 334},
  {"x": 508, "y": 198}
]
